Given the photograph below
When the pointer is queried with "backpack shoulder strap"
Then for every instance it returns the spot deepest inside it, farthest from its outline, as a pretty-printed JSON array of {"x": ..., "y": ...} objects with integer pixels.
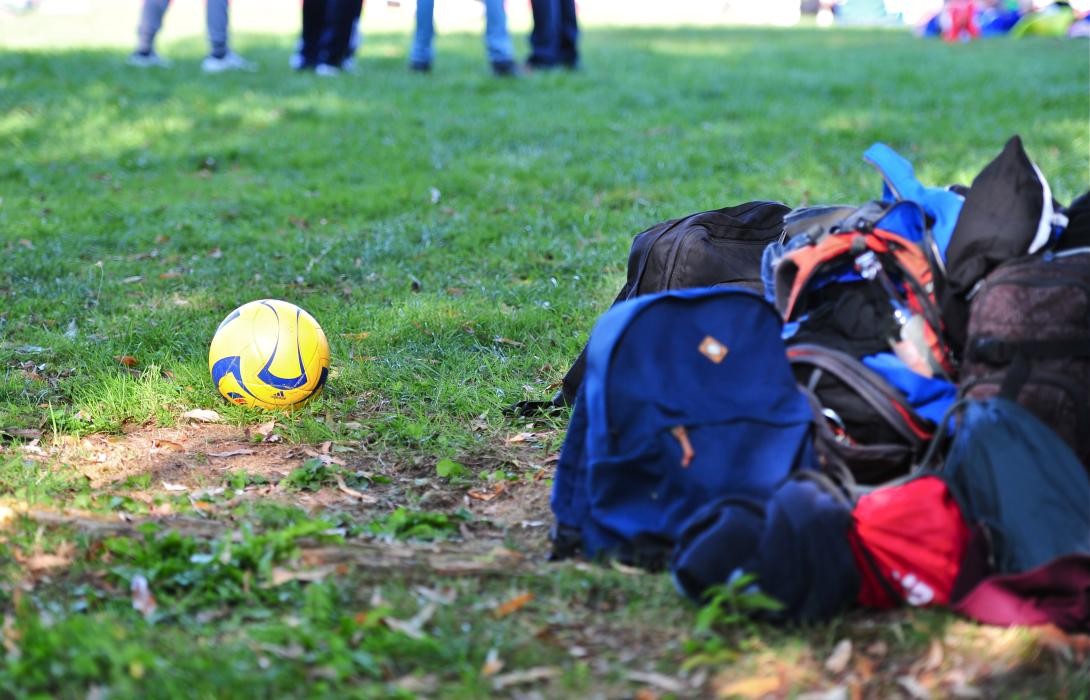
[{"x": 876, "y": 391}]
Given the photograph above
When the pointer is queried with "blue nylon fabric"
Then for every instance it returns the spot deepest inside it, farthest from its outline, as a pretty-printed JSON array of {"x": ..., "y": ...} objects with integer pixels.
[
  {"x": 900, "y": 183},
  {"x": 569, "y": 496},
  {"x": 930, "y": 396},
  {"x": 621, "y": 476},
  {"x": 796, "y": 545},
  {"x": 804, "y": 559},
  {"x": 1013, "y": 473}
]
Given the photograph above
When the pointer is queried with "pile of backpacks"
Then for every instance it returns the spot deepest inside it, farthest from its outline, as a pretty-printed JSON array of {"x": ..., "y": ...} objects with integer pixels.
[{"x": 875, "y": 405}]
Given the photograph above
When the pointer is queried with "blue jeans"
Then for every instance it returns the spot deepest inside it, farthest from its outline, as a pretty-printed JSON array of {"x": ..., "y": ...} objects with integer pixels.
[
  {"x": 555, "y": 37},
  {"x": 497, "y": 41}
]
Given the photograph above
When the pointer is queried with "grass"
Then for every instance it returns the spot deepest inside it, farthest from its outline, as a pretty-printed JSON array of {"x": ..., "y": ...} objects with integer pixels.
[{"x": 456, "y": 236}]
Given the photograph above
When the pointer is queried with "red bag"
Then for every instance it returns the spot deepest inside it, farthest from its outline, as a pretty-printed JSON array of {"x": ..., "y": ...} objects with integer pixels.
[{"x": 909, "y": 540}]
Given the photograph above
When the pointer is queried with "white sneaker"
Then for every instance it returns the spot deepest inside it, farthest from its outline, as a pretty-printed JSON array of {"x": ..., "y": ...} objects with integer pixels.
[
  {"x": 230, "y": 61},
  {"x": 147, "y": 60},
  {"x": 327, "y": 71}
]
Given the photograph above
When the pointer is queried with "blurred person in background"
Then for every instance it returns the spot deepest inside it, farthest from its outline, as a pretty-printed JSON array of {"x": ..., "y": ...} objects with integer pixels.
[
  {"x": 330, "y": 35},
  {"x": 220, "y": 57},
  {"x": 554, "y": 40},
  {"x": 497, "y": 42}
]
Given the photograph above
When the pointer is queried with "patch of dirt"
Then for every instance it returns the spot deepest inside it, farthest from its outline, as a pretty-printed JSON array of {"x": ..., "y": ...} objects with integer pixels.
[
  {"x": 197, "y": 459},
  {"x": 193, "y": 455}
]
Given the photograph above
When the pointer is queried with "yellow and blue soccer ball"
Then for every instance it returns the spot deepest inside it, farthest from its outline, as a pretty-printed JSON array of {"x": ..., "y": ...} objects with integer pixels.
[{"x": 270, "y": 354}]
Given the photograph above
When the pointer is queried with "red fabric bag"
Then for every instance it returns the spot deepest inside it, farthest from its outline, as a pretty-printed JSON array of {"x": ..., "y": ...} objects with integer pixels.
[{"x": 909, "y": 540}]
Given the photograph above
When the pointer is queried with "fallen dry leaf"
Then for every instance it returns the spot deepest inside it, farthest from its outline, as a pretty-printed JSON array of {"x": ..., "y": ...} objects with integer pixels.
[
  {"x": 22, "y": 433},
  {"x": 487, "y": 494},
  {"x": 521, "y": 437},
  {"x": 530, "y": 675},
  {"x": 142, "y": 600},
  {"x": 202, "y": 415},
  {"x": 170, "y": 275},
  {"x": 174, "y": 487},
  {"x": 839, "y": 659},
  {"x": 169, "y": 445},
  {"x": 748, "y": 687},
  {"x": 264, "y": 430},
  {"x": 41, "y": 562},
  {"x": 359, "y": 495},
  {"x": 934, "y": 656},
  {"x": 231, "y": 453},
  {"x": 362, "y": 335},
  {"x": 126, "y": 360},
  {"x": 959, "y": 686},
  {"x": 280, "y": 576},
  {"x": 913, "y": 688},
  {"x": 412, "y": 627},
  {"x": 838, "y": 693},
  {"x": 512, "y": 605},
  {"x": 658, "y": 680},
  {"x": 1069, "y": 647}
]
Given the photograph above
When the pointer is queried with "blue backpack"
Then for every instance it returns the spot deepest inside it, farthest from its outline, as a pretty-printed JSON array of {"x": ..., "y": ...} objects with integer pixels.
[{"x": 688, "y": 397}]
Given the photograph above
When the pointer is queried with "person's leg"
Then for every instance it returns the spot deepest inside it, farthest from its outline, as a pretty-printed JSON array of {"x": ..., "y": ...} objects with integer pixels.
[
  {"x": 543, "y": 37},
  {"x": 497, "y": 41},
  {"x": 151, "y": 19},
  {"x": 421, "y": 52},
  {"x": 568, "y": 39},
  {"x": 216, "y": 20},
  {"x": 344, "y": 14},
  {"x": 355, "y": 38},
  {"x": 314, "y": 14},
  {"x": 220, "y": 57}
]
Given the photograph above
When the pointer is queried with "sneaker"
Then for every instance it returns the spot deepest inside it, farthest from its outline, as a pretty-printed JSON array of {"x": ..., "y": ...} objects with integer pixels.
[
  {"x": 505, "y": 69},
  {"x": 326, "y": 70},
  {"x": 420, "y": 66},
  {"x": 147, "y": 59},
  {"x": 229, "y": 61}
]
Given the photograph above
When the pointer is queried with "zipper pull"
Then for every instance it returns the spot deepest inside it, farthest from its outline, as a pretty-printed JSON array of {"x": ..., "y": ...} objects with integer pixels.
[{"x": 687, "y": 453}]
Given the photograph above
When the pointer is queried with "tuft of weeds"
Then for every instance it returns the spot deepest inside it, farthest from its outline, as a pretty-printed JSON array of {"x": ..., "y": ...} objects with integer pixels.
[{"x": 406, "y": 524}]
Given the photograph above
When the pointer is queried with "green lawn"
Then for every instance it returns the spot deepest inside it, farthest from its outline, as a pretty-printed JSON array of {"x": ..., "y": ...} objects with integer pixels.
[{"x": 456, "y": 236}]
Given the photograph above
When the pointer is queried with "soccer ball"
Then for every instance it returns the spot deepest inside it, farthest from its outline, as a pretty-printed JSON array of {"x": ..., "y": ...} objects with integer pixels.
[{"x": 269, "y": 354}]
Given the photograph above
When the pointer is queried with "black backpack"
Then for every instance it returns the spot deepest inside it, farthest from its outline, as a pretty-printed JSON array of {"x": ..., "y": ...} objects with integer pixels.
[
  {"x": 708, "y": 249},
  {"x": 865, "y": 425}
]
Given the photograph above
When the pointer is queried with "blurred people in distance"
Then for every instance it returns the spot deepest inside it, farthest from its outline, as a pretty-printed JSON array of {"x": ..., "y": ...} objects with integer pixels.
[
  {"x": 554, "y": 40},
  {"x": 330, "y": 36},
  {"x": 220, "y": 57},
  {"x": 497, "y": 42}
]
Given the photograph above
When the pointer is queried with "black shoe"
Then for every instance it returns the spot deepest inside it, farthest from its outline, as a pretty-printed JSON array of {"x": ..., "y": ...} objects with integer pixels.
[
  {"x": 420, "y": 66},
  {"x": 505, "y": 69}
]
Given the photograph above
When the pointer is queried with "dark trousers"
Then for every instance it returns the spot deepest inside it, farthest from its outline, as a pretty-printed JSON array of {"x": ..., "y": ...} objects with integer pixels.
[
  {"x": 554, "y": 39},
  {"x": 327, "y": 28}
]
